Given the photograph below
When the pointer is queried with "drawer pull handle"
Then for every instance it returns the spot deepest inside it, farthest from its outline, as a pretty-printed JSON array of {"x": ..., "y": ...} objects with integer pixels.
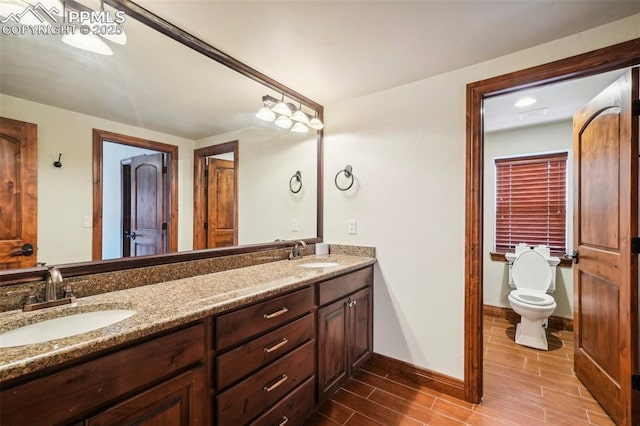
[
  {"x": 276, "y": 346},
  {"x": 276, "y": 313},
  {"x": 280, "y": 381},
  {"x": 285, "y": 419}
]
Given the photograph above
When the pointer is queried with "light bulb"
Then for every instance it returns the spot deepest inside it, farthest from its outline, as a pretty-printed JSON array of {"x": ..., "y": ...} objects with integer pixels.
[
  {"x": 300, "y": 128},
  {"x": 284, "y": 122},
  {"x": 266, "y": 114},
  {"x": 282, "y": 109},
  {"x": 316, "y": 124},
  {"x": 300, "y": 116}
]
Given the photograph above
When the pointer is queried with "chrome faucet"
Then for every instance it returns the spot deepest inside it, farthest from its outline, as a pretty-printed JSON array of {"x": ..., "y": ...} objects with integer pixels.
[
  {"x": 51, "y": 286},
  {"x": 297, "y": 250}
]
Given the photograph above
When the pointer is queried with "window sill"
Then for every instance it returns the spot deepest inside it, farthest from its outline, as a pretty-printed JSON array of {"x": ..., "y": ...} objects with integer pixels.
[{"x": 499, "y": 257}]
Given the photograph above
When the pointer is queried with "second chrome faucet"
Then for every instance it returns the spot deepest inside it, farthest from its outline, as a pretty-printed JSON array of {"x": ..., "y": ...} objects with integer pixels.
[{"x": 297, "y": 250}]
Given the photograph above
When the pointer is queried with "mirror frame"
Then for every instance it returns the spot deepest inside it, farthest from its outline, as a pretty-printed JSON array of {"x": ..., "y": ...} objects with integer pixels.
[{"x": 133, "y": 10}]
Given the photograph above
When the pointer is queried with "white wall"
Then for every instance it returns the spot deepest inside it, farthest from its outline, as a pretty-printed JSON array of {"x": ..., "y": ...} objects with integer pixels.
[
  {"x": 65, "y": 194},
  {"x": 553, "y": 137},
  {"x": 268, "y": 157},
  {"x": 407, "y": 148}
]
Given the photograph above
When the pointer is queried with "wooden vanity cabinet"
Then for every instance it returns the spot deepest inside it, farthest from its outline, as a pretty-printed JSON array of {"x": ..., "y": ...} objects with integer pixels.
[
  {"x": 345, "y": 328},
  {"x": 160, "y": 381},
  {"x": 265, "y": 364}
]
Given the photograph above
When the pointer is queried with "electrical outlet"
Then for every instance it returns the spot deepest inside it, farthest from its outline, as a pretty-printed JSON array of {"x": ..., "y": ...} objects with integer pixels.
[
  {"x": 294, "y": 225},
  {"x": 353, "y": 226}
]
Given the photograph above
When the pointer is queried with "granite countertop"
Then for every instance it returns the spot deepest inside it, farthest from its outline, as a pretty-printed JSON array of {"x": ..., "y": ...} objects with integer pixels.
[{"x": 161, "y": 307}]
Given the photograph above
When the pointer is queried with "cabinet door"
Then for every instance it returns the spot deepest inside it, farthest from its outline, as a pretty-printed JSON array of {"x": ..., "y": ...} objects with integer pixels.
[
  {"x": 332, "y": 348},
  {"x": 360, "y": 328},
  {"x": 178, "y": 401}
]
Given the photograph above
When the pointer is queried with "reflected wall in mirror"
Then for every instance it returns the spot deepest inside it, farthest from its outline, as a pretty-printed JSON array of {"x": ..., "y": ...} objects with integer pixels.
[{"x": 152, "y": 88}]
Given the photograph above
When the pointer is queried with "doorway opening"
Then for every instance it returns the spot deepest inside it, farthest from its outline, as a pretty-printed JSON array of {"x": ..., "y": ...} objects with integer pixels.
[
  {"x": 134, "y": 196},
  {"x": 603, "y": 60},
  {"x": 215, "y": 196}
]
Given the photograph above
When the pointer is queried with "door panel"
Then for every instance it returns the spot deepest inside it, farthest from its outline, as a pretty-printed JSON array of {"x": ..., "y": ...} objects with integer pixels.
[
  {"x": 361, "y": 329},
  {"x": 221, "y": 204},
  {"x": 606, "y": 277},
  {"x": 18, "y": 193},
  {"x": 147, "y": 205}
]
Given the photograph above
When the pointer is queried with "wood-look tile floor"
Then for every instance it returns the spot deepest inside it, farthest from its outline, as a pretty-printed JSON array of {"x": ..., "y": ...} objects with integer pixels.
[{"x": 522, "y": 386}]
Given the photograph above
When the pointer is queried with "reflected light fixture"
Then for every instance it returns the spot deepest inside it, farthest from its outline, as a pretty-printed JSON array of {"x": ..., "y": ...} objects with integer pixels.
[
  {"x": 87, "y": 40},
  {"x": 525, "y": 102},
  {"x": 286, "y": 116}
]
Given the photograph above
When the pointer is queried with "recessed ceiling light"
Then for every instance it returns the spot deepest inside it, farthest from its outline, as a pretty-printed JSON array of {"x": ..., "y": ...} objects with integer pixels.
[{"x": 526, "y": 101}]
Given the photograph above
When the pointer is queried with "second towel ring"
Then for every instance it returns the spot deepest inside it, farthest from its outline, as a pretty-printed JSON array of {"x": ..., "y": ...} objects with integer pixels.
[
  {"x": 348, "y": 173},
  {"x": 297, "y": 177}
]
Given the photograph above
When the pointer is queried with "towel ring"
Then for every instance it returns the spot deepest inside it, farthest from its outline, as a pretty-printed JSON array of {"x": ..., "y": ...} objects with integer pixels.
[
  {"x": 297, "y": 177},
  {"x": 348, "y": 173}
]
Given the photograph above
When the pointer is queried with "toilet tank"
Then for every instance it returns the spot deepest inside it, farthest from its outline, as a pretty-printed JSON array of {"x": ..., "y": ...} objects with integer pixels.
[{"x": 554, "y": 261}]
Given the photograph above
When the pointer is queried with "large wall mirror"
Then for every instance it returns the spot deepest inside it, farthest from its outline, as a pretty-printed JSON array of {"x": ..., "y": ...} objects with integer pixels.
[{"x": 169, "y": 112}]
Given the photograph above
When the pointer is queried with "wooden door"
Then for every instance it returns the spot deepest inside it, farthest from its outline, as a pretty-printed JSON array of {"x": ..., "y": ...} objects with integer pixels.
[
  {"x": 147, "y": 205},
  {"x": 177, "y": 401},
  {"x": 333, "y": 366},
  {"x": 360, "y": 328},
  {"x": 221, "y": 211},
  {"x": 606, "y": 276},
  {"x": 18, "y": 194}
]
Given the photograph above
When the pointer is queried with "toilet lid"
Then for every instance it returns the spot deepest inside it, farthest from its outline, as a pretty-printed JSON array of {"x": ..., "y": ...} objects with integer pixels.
[{"x": 531, "y": 271}]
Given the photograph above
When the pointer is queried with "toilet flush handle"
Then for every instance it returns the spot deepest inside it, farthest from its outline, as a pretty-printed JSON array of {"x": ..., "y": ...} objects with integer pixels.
[{"x": 575, "y": 256}]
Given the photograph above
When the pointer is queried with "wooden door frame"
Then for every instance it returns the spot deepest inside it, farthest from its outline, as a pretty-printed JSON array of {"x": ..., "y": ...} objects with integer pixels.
[
  {"x": 610, "y": 58},
  {"x": 199, "y": 193},
  {"x": 101, "y": 136}
]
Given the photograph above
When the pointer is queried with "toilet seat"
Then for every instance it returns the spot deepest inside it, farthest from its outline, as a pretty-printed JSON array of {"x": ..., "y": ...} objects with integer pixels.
[{"x": 532, "y": 297}]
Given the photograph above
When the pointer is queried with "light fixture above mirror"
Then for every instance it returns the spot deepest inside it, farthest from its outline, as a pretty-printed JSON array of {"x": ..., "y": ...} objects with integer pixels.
[{"x": 286, "y": 116}]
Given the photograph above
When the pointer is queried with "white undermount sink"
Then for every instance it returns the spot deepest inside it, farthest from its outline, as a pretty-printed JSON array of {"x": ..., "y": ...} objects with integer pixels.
[
  {"x": 318, "y": 264},
  {"x": 60, "y": 327}
]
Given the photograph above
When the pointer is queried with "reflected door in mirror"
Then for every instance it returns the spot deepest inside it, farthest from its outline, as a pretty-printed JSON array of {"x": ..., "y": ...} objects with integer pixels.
[
  {"x": 221, "y": 203},
  {"x": 147, "y": 233},
  {"x": 18, "y": 194}
]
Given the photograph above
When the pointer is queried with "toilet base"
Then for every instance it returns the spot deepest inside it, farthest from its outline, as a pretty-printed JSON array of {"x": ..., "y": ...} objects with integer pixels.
[{"x": 532, "y": 334}]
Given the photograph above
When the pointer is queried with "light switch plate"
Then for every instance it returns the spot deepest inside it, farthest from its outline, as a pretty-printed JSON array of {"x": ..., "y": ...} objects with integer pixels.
[
  {"x": 353, "y": 226},
  {"x": 87, "y": 221},
  {"x": 294, "y": 225}
]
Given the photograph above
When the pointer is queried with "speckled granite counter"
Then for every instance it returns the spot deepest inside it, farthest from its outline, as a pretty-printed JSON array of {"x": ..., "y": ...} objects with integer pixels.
[{"x": 163, "y": 306}]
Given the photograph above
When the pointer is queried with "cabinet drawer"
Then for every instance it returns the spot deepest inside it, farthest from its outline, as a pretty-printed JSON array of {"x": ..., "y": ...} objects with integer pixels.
[
  {"x": 336, "y": 288},
  {"x": 258, "y": 352},
  {"x": 247, "y": 399},
  {"x": 234, "y": 327},
  {"x": 78, "y": 390},
  {"x": 294, "y": 408}
]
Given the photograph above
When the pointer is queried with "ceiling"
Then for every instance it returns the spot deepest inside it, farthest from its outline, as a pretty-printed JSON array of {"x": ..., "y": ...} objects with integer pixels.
[
  {"x": 333, "y": 50},
  {"x": 554, "y": 102},
  {"x": 326, "y": 50}
]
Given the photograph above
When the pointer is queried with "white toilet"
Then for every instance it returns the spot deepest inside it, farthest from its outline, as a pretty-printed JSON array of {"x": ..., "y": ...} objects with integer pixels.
[{"x": 532, "y": 273}]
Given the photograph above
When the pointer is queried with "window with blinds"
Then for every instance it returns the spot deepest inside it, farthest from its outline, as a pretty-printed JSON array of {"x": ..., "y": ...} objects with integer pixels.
[{"x": 531, "y": 202}]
